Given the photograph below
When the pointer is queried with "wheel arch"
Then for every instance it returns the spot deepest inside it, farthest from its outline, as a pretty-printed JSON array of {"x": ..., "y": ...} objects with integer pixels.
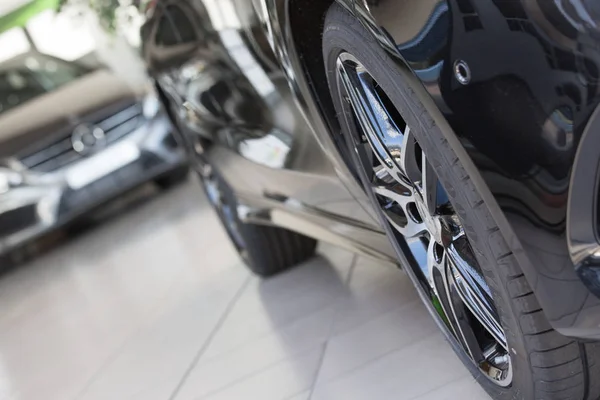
[
  {"x": 304, "y": 16},
  {"x": 583, "y": 233}
]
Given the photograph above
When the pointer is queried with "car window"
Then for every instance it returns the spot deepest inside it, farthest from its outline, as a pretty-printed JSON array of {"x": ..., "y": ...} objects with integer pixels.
[
  {"x": 183, "y": 23},
  {"x": 30, "y": 77},
  {"x": 165, "y": 33},
  {"x": 17, "y": 87}
]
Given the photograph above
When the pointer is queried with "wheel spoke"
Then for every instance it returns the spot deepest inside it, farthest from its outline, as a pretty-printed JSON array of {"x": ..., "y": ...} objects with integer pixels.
[
  {"x": 374, "y": 120},
  {"x": 396, "y": 199},
  {"x": 429, "y": 186},
  {"x": 412, "y": 229},
  {"x": 408, "y": 157},
  {"x": 382, "y": 178},
  {"x": 473, "y": 290},
  {"x": 459, "y": 312},
  {"x": 454, "y": 312},
  {"x": 396, "y": 193},
  {"x": 402, "y": 222}
]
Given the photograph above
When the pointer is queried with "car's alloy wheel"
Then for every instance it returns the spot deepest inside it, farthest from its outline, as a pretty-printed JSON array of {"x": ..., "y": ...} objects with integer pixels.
[
  {"x": 416, "y": 206},
  {"x": 215, "y": 192}
]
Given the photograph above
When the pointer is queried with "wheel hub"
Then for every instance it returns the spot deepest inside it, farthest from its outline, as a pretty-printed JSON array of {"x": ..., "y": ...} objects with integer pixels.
[{"x": 432, "y": 223}]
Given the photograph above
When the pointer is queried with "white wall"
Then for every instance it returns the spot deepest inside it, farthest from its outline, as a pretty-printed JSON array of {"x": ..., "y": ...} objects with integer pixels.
[
  {"x": 75, "y": 34},
  {"x": 7, "y": 6}
]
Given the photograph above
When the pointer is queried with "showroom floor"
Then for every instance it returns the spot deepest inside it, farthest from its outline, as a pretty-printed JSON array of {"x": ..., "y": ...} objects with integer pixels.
[{"x": 155, "y": 304}]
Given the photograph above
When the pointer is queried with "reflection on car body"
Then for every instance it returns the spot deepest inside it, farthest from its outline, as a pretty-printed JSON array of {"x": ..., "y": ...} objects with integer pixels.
[
  {"x": 230, "y": 89},
  {"x": 295, "y": 140}
]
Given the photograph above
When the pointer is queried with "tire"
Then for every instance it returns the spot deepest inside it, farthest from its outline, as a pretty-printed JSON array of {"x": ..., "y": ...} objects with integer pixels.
[
  {"x": 266, "y": 250},
  {"x": 173, "y": 177},
  {"x": 546, "y": 365}
]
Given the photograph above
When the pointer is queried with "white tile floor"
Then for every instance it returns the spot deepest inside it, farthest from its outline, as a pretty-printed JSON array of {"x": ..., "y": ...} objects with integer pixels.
[{"x": 155, "y": 304}]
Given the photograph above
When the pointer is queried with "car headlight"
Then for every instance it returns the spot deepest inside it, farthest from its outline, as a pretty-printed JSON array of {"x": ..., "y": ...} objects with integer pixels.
[
  {"x": 9, "y": 179},
  {"x": 151, "y": 105}
]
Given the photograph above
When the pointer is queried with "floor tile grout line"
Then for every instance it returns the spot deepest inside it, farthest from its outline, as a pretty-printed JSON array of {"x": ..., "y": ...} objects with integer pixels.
[
  {"x": 419, "y": 396},
  {"x": 271, "y": 365},
  {"x": 210, "y": 338},
  {"x": 347, "y": 279},
  {"x": 379, "y": 357},
  {"x": 406, "y": 305},
  {"x": 318, "y": 371},
  {"x": 255, "y": 373},
  {"x": 330, "y": 330},
  {"x": 260, "y": 337},
  {"x": 284, "y": 325},
  {"x": 351, "y": 270},
  {"x": 386, "y": 353},
  {"x": 112, "y": 357}
]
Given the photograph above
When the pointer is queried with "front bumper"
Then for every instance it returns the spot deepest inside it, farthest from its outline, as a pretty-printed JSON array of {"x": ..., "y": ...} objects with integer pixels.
[{"x": 30, "y": 211}]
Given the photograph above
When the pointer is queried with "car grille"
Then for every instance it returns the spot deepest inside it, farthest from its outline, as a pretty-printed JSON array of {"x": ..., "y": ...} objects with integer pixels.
[
  {"x": 60, "y": 153},
  {"x": 108, "y": 186}
]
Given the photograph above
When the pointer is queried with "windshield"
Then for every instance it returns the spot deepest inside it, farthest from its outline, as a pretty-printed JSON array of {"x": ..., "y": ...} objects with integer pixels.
[{"x": 28, "y": 77}]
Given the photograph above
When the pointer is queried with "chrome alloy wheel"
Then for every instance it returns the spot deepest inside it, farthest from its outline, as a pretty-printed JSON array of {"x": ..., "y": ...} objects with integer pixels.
[
  {"x": 226, "y": 211},
  {"x": 418, "y": 209}
]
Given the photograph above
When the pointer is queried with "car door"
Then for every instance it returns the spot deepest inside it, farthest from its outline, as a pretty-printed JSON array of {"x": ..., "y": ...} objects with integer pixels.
[{"x": 214, "y": 61}]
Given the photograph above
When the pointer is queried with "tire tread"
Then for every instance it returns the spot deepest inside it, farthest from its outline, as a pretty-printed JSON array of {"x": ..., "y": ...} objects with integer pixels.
[{"x": 269, "y": 250}]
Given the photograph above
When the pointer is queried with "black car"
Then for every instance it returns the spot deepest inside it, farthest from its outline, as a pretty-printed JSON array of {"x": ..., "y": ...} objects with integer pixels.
[
  {"x": 457, "y": 138},
  {"x": 72, "y": 138}
]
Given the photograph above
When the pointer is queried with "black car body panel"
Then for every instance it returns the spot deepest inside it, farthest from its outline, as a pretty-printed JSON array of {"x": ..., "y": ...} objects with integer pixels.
[
  {"x": 532, "y": 69},
  {"x": 512, "y": 84},
  {"x": 223, "y": 83}
]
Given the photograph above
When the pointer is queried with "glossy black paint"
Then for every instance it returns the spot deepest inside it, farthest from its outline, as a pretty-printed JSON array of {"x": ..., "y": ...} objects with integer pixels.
[
  {"x": 214, "y": 66},
  {"x": 516, "y": 123},
  {"x": 582, "y": 231},
  {"x": 534, "y": 69}
]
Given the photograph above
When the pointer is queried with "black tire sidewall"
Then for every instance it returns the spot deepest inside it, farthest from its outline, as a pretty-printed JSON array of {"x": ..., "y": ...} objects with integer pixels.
[
  {"x": 343, "y": 33},
  {"x": 267, "y": 250},
  {"x": 253, "y": 252},
  {"x": 174, "y": 177}
]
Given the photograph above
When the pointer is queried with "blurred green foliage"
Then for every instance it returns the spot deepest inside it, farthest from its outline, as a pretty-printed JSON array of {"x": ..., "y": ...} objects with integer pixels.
[
  {"x": 20, "y": 16},
  {"x": 105, "y": 9}
]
